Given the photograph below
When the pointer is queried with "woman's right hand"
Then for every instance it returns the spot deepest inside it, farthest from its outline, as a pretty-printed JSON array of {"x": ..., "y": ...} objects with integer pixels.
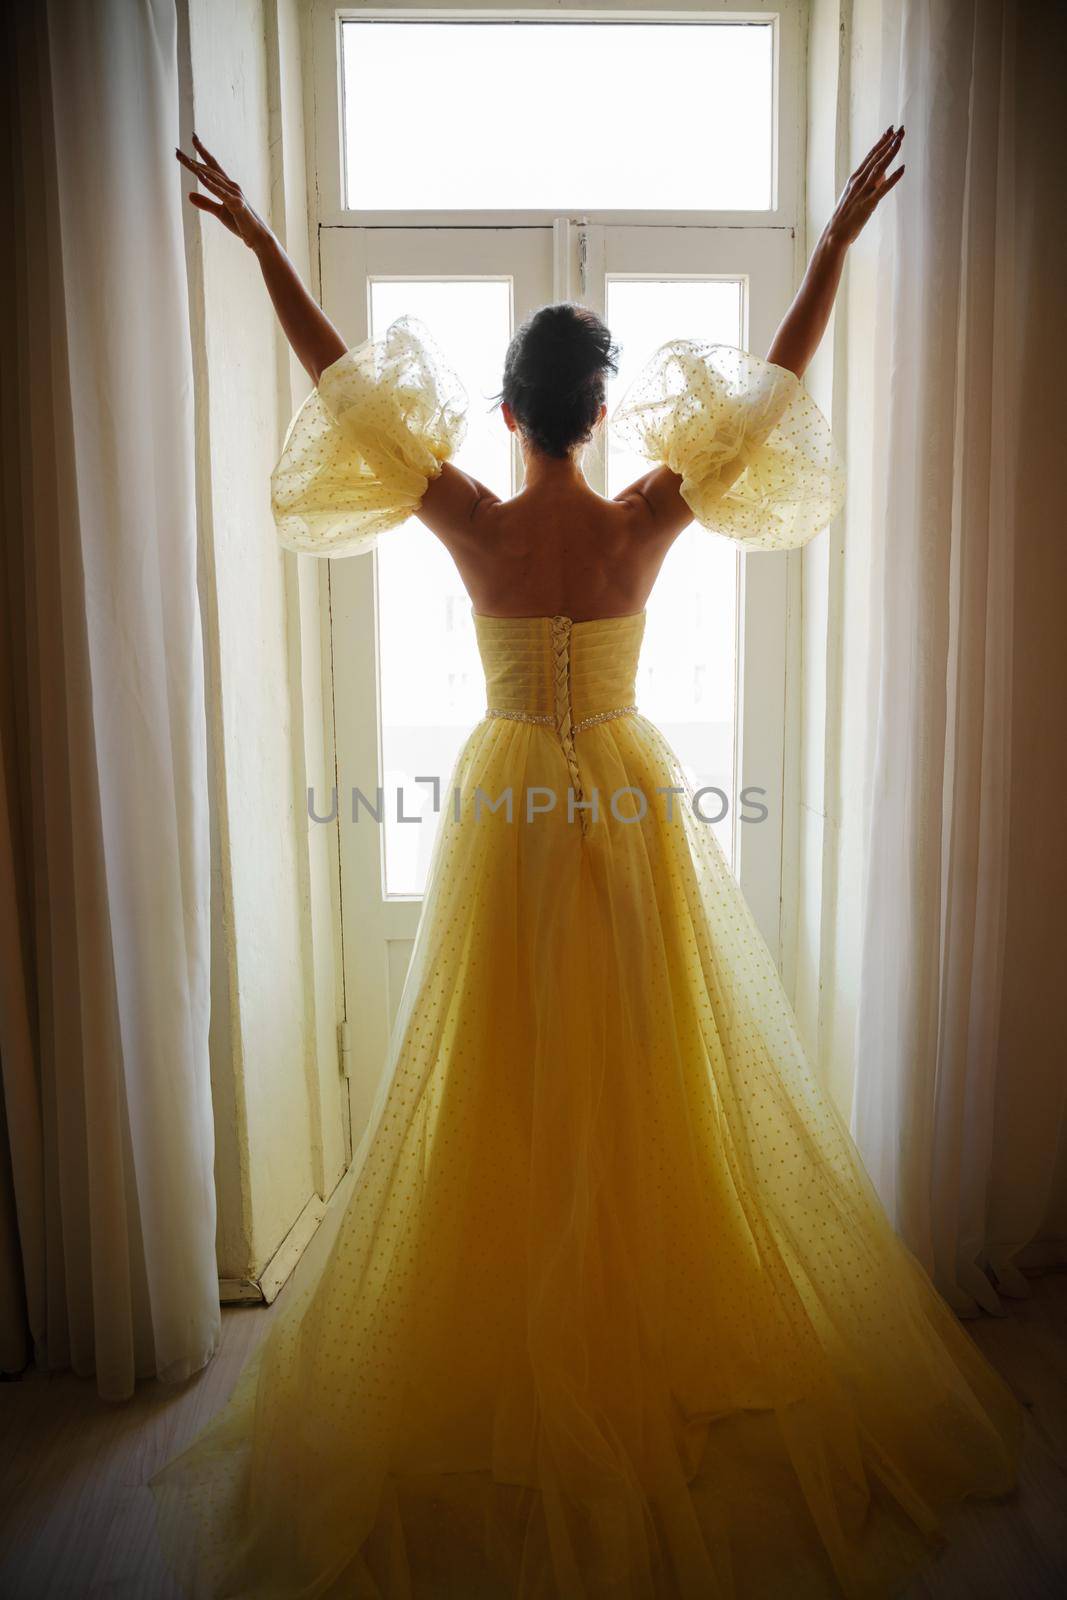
[{"x": 231, "y": 208}]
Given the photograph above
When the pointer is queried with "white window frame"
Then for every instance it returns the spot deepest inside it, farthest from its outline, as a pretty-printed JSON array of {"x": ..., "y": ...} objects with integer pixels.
[
  {"x": 326, "y": 126},
  {"x": 325, "y": 138}
]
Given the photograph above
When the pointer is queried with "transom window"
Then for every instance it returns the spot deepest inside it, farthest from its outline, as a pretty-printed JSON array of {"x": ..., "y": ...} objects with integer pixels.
[{"x": 666, "y": 116}]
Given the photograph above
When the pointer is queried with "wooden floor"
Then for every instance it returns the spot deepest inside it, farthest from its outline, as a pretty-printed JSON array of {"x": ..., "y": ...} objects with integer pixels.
[{"x": 76, "y": 1519}]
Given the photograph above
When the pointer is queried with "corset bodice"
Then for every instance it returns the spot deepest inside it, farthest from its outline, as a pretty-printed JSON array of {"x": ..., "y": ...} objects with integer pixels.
[
  {"x": 557, "y": 671},
  {"x": 568, "y": 675}
]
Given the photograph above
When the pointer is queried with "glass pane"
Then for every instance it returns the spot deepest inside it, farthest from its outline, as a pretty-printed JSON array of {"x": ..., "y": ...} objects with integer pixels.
[
  {"x": 432, "y": 687},
  {"x": 688, "y": 677},
  {"x": 664, "y": 116}
]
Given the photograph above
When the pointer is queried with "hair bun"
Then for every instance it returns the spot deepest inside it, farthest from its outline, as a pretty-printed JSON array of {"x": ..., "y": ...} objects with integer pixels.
[{"x": 554, "y": 374}]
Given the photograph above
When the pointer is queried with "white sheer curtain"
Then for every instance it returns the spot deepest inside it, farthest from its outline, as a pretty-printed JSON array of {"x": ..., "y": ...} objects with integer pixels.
[
  {"x": 974, "y": 266},
  {"x": 107, "y": 1256}
]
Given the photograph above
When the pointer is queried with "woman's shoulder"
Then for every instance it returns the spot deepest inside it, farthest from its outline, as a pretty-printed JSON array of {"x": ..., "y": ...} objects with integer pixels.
[
  {"x": 522, "y": 548},
  {"x": 537, "y": 521}
]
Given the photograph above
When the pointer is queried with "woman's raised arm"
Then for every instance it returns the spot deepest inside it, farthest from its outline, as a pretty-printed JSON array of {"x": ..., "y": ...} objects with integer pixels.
[
  {"x": 804, "y": 323},
  {"x": 307, "y": 327}
]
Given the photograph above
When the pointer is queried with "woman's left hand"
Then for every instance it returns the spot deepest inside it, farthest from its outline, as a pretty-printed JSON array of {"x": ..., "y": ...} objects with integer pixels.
[{"x": 866, "y": 188}]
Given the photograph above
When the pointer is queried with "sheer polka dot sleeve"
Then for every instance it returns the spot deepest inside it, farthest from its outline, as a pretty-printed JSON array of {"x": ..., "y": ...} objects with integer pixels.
[
  {"x": 360, "y": 451},
  {"x": 756, "y": 456}
]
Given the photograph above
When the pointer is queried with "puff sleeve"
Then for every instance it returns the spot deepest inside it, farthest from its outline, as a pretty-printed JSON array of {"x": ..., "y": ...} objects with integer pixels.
[
  {"x": 361, "y": 450},
  {"x": 756, "y": 457}
]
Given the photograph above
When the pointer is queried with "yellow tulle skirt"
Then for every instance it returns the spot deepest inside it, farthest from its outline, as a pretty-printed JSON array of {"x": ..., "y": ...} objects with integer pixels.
[{"x": 610, "y": 1307}]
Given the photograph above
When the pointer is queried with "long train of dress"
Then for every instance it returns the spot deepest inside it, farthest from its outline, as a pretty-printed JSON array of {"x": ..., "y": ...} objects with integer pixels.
[{"x": 611, "y": 1309}]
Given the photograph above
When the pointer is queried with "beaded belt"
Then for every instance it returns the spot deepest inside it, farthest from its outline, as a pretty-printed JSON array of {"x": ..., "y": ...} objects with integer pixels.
[{"x": 549, "y": 720}]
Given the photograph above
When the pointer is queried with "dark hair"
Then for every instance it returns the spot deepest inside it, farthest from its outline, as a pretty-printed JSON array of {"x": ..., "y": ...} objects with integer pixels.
[{"x": 554, "y": 375}]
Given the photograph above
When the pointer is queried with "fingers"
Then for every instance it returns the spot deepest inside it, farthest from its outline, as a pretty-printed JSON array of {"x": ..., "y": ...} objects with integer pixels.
[
  {"x": 202, "y": 203},
  {"x": 880, "y": 143},
  {"x": 879, "y": 155},
  {"x": 201, "y": 168},
  {"x": 877, "y": 184},
  {"x": 230, "y": 200},
  {"x": 220, "y": 186},
  {"x": 208, "y": 157},
  {"x": 217, "y": 182},
  {"x": 872, "y": 155},
  {"x": 888, "y": 154},
  {"x": 873, "y": 198}
]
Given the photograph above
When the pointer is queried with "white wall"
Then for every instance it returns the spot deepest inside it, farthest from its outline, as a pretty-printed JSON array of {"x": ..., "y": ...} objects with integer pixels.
[
  {"x": 857, "y": 614},
  {"x": 836, "y": 600},
  {"x": 277, "y": 1091}
]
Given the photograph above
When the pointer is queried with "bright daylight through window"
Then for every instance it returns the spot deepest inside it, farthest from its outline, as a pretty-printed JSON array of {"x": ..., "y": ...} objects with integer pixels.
[
  {"x": 633, "y": 143},
  {"x": 666, "y": 117}
]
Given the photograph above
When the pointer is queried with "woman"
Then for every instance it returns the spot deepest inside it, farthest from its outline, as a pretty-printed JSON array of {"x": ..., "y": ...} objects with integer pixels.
[{"x": 611, "y": 1308}]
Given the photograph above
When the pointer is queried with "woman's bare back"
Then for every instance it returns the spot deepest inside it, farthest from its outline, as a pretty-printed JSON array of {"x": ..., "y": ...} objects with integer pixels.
[{"x": 557, "y": 548}]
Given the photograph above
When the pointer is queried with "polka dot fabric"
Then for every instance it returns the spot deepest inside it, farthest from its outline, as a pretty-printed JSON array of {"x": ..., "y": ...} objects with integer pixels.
[
  {"x": 755, "y": 454},
  {"x": 362, "y": 448},
  {"x": 608, "y": 1306}
]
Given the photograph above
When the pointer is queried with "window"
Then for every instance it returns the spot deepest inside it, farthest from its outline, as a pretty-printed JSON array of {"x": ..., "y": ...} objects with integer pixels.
[
  {"x": 666, "y": 199},
  {"x": 423, "y": 609},
  {"x": 670, "y": 117},
  {"x": 688, "y": 680}
]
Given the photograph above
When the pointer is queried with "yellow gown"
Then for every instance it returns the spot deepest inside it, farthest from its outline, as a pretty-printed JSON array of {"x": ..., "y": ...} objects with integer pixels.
[{"x": 611, "y": 1308}]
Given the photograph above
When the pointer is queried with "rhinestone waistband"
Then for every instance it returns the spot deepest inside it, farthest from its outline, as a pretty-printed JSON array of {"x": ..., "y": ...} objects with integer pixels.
[
  {"x": 549, "y": 720},
  {"x": 604, "y": 716}
]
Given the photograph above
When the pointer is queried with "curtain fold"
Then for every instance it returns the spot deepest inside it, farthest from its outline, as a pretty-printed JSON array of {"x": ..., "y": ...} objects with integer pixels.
[
  {"x": 103, "y": 822},
  {"x": 939, "y": 1084}
]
